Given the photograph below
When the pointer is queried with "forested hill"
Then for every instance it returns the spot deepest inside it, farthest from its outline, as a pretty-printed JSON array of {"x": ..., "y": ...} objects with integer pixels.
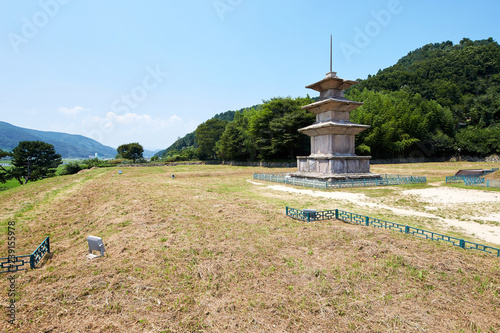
[
  {"x": 464, "y": 77},
  {"x": 437, "y": 99},
  {"x": 434, "y": 100},
  {"x": 68, "y": 145}
]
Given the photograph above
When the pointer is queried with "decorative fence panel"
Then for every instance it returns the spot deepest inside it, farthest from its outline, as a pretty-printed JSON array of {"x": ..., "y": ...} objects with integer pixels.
[
  {"x": 455, "y": 179},
  {"x": 474, "y": 181},
  {"x": 492, "y": 183},
  {"x": 38, "y": 254},
  {"x": 14, "y": 264},
  {"x": 349, "y": 217},
  {"x": 19, "y": 263}
]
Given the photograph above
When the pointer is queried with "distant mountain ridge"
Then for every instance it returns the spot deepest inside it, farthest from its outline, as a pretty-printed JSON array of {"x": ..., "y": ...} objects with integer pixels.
[{"x": 68, "y": 145}]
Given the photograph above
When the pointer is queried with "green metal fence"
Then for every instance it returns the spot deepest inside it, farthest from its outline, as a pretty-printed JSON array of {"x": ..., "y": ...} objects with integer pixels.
[
  {"x": 282, "y": 178},
  {"x": 327, "y": 185},
  {"x": 349, "y": 217},
  {"x": 492, "y": 183},
  {"x": 455, "y": 179},
  {"x": 19, "y": 263},
  {"x": 473, "y": 181}
]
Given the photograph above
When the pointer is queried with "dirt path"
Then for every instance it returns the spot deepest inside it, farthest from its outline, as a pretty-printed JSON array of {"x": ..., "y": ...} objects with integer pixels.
[{"x": 434, "y": 197}]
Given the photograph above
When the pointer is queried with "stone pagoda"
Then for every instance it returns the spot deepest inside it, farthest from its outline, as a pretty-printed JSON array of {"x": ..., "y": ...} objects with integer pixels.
[{"x": 332, "y": 135}]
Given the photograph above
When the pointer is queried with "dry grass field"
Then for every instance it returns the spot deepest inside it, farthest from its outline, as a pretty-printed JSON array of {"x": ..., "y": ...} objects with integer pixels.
[{"x": 211, "y": 251}]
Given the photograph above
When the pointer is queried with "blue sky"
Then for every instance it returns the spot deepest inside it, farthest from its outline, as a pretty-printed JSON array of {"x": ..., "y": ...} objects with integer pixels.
[{"x": 151, "y": 71}]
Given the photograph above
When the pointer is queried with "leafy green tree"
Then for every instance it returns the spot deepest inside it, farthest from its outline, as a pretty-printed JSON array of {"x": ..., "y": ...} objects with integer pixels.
[
  {"x": 131, "y": 151},
  {"x": 207, "y": 135},
  {"x": 235, "y": 143},
  {"x": 34, "y": 160},
  {"x": 402, "y": 124},
  {"x": 274, "y": 128},
  {"x": 4, "y": 173},
  {"x": 479, "y": 141}
]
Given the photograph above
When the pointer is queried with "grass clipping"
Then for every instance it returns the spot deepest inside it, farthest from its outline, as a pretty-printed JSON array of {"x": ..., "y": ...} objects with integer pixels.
[{"x": 207, "y": 251}]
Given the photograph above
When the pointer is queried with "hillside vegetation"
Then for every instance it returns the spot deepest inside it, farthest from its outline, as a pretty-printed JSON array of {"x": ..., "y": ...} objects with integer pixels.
[
  {"x": 437, "y": 99},
  {"x": 209, "y": 251},
  {"x": 461, "y": 86}
]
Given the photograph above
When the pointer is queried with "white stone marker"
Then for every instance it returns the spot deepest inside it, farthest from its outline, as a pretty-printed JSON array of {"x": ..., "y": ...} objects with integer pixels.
[{"x": 95, "y": 244}]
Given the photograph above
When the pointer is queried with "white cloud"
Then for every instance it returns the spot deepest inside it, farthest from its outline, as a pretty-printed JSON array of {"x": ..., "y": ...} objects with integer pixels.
[
  {"x": 112, "y": 120},
  {"x": 71, "y": 111},
  {"x": 115, "y": 129}
]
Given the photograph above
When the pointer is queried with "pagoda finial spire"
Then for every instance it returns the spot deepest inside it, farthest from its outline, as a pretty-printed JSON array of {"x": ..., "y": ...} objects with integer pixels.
[
  {"x": 331, "y": 53},
  {"x": 331, "y": 73}
]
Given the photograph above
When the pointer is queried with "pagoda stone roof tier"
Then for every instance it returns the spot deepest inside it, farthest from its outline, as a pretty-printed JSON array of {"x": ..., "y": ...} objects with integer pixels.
[
  {"x": 332, "y": 104},
  {"x": 331, "y": 83},
  {"x": 334, "y": 128}
]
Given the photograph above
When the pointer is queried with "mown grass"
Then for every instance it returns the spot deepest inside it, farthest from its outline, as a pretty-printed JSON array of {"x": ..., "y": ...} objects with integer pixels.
[{"x": 210, "y": 251}]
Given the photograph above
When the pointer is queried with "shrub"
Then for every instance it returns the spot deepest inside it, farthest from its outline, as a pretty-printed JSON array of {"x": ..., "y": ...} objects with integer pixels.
[{"x": 70, "y": 169}]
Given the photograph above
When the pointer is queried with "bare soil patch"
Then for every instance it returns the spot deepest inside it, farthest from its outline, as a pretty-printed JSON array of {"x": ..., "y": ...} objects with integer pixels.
[{"x": 454, "y": 196}]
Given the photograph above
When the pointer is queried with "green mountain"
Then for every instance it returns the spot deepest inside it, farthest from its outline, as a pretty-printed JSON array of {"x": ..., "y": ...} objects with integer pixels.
[
  {"x": 463, "y": 77},
  {"x": 68, "y": 145},
  {"x": 438, "y": 98}
]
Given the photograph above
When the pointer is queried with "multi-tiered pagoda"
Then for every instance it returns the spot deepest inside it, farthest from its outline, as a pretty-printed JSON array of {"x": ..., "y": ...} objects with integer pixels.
[{"x": 332, "y": 135}]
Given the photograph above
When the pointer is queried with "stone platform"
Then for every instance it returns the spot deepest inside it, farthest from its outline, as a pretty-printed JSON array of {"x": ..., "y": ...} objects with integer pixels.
[
  {"x": 334, "y": 167},
  {"x": 334, "y": 177}
]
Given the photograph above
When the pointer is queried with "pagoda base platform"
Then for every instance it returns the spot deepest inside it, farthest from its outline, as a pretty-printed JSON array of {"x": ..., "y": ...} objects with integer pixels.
[
  {"x": 334, "y": 176},
  {"x": 334, "y": 167}
]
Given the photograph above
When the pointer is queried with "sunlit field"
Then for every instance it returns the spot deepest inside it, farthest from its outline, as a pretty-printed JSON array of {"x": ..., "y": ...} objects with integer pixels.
[{"x": 211, "y": 250}]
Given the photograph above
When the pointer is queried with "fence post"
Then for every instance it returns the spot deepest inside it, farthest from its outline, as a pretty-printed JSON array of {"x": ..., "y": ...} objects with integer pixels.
[
  {"x": 336, "y": 214},
  {"x": 286, "y": 210},
  {"x": 407, "y": 229},
  {"x": 462, "y": 244},
  {"x": 48, "y": 245},
  {"x": 367, "y": 221},
  {"x": 32, "y": 261},
  {"x": 308, "y": 217}
]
